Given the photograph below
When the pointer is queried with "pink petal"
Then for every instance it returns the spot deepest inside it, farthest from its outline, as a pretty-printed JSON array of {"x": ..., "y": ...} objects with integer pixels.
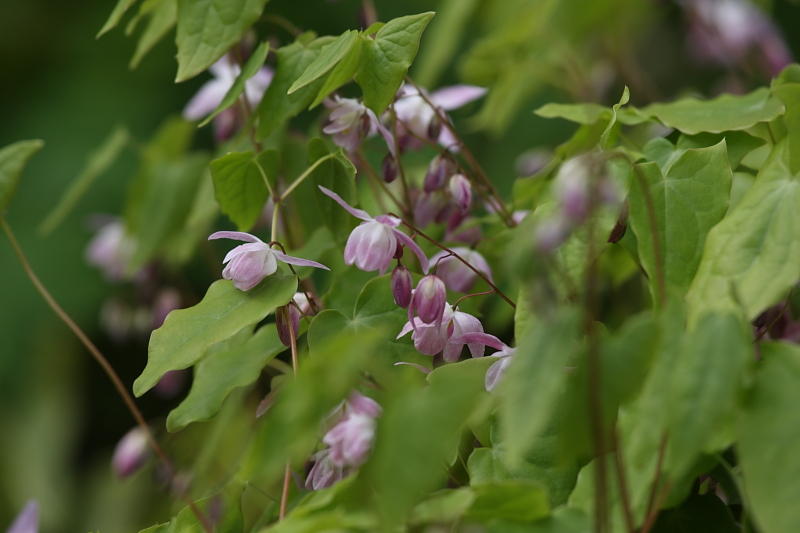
[
  {"x": 449, "y": 98},
  {"x": 27, "y": 521},
  {"x": 496, "y": 372},
  {"x": 409, "y": 242},
  {"x": 407, "y": 328},
  {"x": 466, "y": 323},
  {"x": 206, "y": 100},
  {"x": 250, "y": 247},
  {"x": 298, "y": 261},
  {"x": 415, "y": 365},
  {"x": 235, "y": 235},
  {"x": 358, "y": 213},
  {"x": 480, "y": 338}
]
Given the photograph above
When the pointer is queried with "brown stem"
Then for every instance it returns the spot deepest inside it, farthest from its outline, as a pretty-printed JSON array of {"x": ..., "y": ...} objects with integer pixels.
[
  {"x": 650, "y": 520},
  {"x": 651, "y": 215},
  {"x": 451, "y": 252},
  {"x": 468, "y": 155},
  {"x": 399, "y": 160},
  {"x": 104, "y": 364},
  {"x": 775, "y": 320},
  {"x": 662, "y": 450},
  {"x": 287, "y": 477},
  {"x": 470, "y": 296},
  {"x": 623, "y": 483},
  {"x": 374, "y": 174}
]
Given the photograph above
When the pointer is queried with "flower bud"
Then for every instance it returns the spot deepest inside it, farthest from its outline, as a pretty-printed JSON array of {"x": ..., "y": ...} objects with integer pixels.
[
  {"x": 429, "y": 208},
  {"x": 429, "y": 299},
  {"x": 434, "y": 128},
  {"x": 284, "y": 316},
  {"x": 389, "y": 168},
  {"x": 131, "y": 452},
  {"x": 439, "y": 169},
  {"x": 461, "y": 191},
  {"x": 401, "y": 286},
  {"x": 621, "y": 226}
]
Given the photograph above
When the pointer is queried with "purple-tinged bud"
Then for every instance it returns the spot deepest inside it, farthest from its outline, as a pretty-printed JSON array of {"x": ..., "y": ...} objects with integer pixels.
[
  {"x": 461, "y": 191},
  {"x": 362, "y": 405},
  {"x": 621, "y": 226},
  {"x": 398, "y": 253},
  {"x": 572, "y": 189},
  {"x": 462, "y": 228},
  {"x": 401, "y": 286},
  {"x": 439, "y": 169},
  {"x": 389, "y": 168},
  {"x": 434, "y": 128},
  {"x": 131, "y": 452},
  {"x": 27, "y": 521},
  {"x": 284, "y": 316},
  {"x": 429, "y": 208},
  {"x": 170, "y": 384},
  {"x": 429, "y": 299}
]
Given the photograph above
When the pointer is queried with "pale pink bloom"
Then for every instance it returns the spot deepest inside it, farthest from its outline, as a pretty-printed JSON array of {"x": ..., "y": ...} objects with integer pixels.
[
  {"x": 505, "y": 354},
  {"x": 414, "y": 113},
  {"x": 111, "y": 250},
  {"x": 430, "y": 339},
  {"x": 249, "y": 264},
  {"x": 27, "y": 521},
  {"x": 461, "y": 191},
  {"x": 351, "y": 439},
  {"x": 373, "y": 243},
  {"x": 432, "y": 207},
  {"x": 131, "y": 452},
  {"x": 350, "y": 122},
  {"x": 213, "y": 91},
  {"x": 456, "y": 275},
  {"x": 429, "y": 300},
  {"x": 362, "y": 405},
  {"x": 324, "y": 473},
  {"x": 439, "y": 169}
]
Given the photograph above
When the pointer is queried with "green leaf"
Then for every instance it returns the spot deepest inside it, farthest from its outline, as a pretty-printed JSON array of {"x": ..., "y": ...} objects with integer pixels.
[
  {"x": 387, "y": 58},
  {"x": 738, "y": 144},
  {"x": 187, "y": 333},
  {"x": 337, "y": 174},
  {"x": 116, "y": 15},
  {"x": 342, "y": 72},
  {"x": 277, "y": 105},
  {"x": 254, "y": 63},
  {"x": 99, "y": 161},
  {"x": 223, "y": 369},
  {"x": 328, "y": 58},
  {"x": 789, "y": 94},
  {"x": 687, "y": 203},
  {"x": 162, "y": 18},
  {"x": 706, "y": 381},
  {"x": 586, "y": 114},
  {"x": 207, "y": 29},
  {"x": 626, "y": 96},
  {"x": 13, "y": 159},
  {"x": 563, "y": 520},
  {"x": 240, "y": 186},
  {"x": 444, "y": 506},
  {"x": 752, "y": 257},
  {"x": 535, "y": 381},
  {"x": 768, "y": 433},
  {"x": 724, "y": 113},
  {"x": 513, "y": 499},
  {"x": 226, "y": 506}
]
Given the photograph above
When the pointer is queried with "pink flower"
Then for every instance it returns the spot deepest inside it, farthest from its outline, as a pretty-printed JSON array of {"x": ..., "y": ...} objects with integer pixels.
[
  {"x": 429, "y": 300},
  {"x": 373, "y": 243},
  {"x": 456, "y": 275},
  {"x": 430, "y": 339},
  {"x": 131, "y": 452},
  {"x": 351, "y": 439},
  {"x": 439, "y": 169},
  {"x": 324, "y": 473},
  {"x": 111, "y": 250},
  {"x": 27, "y": 521},
  {"x": 461, "y": 191},
  {"x": 350, "y": 122},
  {"x": 505, "y": 354},
  {"x": 250, "y": 263}
]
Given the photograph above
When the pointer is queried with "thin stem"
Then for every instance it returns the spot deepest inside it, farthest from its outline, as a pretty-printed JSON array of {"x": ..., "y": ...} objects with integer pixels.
[
  {"x": 662, "y": 450},
  {"x": 399, "y": 159},
  {"x": 651, "y": 215},
  {"x": 266, "y": 181},
  {"x": 304, "y": 175},
  {"x": 451, "y": 252},
  {"x": 283, "y": 22},
  {"x": 455, "y": 305},
  {"x": 274, "y": 229},
  {"x": 287, "y": 477},
  {"x": 371, "y": 172},
  {"x": 104, "y": 364},
  {"x": 623, "y": 483},
  {"x": 650, "y": 520},
  {"x": 468, "y": 155},
  {"x": 775, "y": 320}
]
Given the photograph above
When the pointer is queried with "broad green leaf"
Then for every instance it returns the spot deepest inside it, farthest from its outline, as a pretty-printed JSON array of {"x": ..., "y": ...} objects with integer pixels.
[
  {"x": 563, "y": 520},
  {"x": 207, "y": 29},
  {"x": 738, "y": 144},
  {"x": 187, "y": 333},
  {"x": 98, "y": 162},
  {"x": 687, "y": 203},
  {"x": 707, "y": 380},
  {"x": 768, "y": 433},
  {"x": 789, "y": 94},
  {"x": 328, "y": 58},
  {"x": 535, "y": 381},
  {"x": 225, "y": 508},
  {"x": 222, "y": 370},
  {"x": 116, "y": 15},
  {"x": 375, "y": 311},
  {"x": 626, "y": 96},
  {"x": 583, "y": 497},
  {"x": 387, "y": 58},
  {"x": 511, "y": 499},
  {"x": 342, "y": 72},
  {"x": 254, "y": 63},
  {"x": 294, "y": 424},
  {"x": 277, "y": 105},
  {"x": 586, "y": 114},
  {"x": 239, "y": 184},
  {"x": 752, "y": 257},
  {"x": 337, "y": 174},
  {"x": 724, "y": 113},
  {"x": 13, "y": 159},
  {"x": 441, "y": 507},
  {"x": 162, "y": 18}
]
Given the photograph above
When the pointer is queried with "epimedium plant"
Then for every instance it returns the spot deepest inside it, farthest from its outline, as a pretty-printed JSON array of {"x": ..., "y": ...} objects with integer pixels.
[{"x": 533, "y": 401}]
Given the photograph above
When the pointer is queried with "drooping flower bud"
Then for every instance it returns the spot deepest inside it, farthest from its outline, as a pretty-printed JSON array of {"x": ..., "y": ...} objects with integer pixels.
[
  {"x": 284, "y": 316},
  {"x": 131, "y": 452},
  {"x": 461, "y": 191},
  {"x": 439, "y": 169},
  {"x": 401, "y": 286},
  {"x": 389, "y": 168},
  {"x": 350, "y": 122},
  {"x": 621, "y": 226},
  {"x": 429, "y": 299}
]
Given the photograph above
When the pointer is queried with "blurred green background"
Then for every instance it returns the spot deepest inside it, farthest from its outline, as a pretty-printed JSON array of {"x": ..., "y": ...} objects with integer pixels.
[{"x": 59, "y": 415}]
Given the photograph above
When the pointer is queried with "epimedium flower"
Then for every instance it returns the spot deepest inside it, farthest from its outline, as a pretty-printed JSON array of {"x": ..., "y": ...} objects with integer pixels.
[
  {"x": 430, "y": 339},
  {"x": 111, "y": 250},
  {"x": 324, "y": 473},
  {"x": 249, "y": 264},
  {"x": 504, "y": 353},
  {"x": 131, "y": 453},
  {"x": 401, "y": 283},
  {"x": 373, "y": 243},
  {"x": 429, "y": 300},
  {"x": 350, "y": 122},
  {"x": 461, "y": 192},
  {"x": 456, "y": 275}
]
